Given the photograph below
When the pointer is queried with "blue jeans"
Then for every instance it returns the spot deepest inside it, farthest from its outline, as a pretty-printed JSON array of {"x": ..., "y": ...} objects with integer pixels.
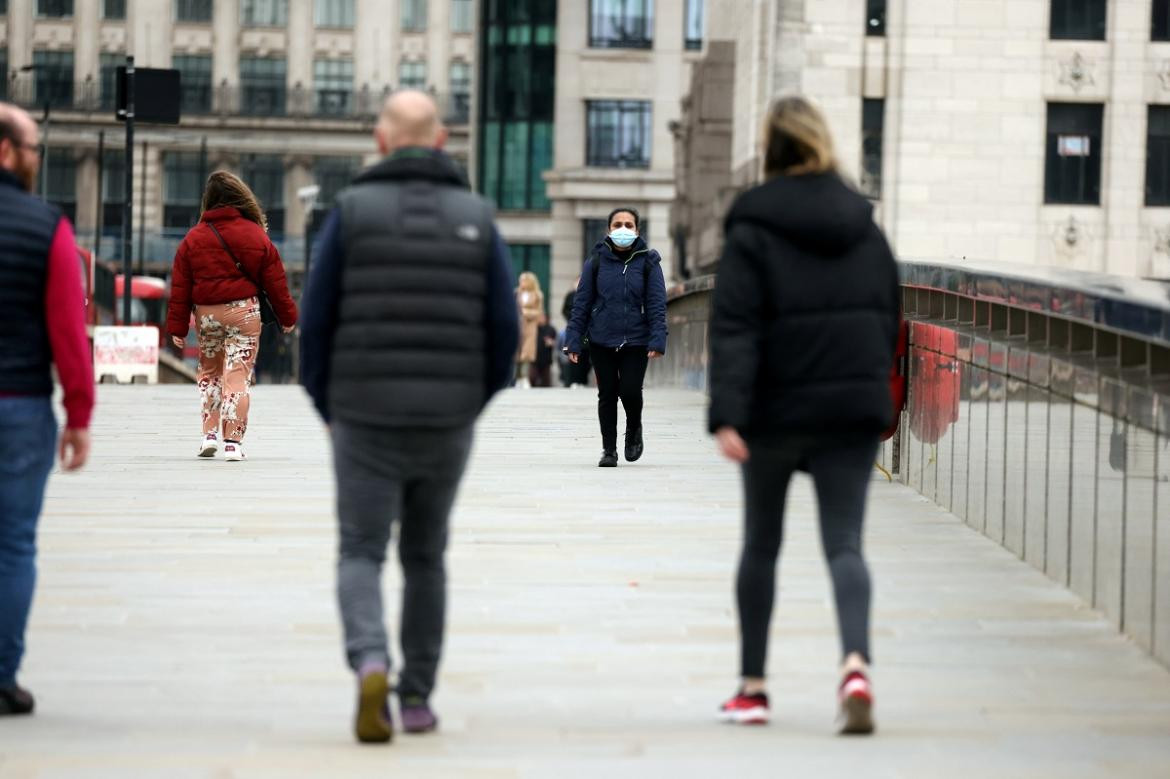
[{"x": 28, "y": 441}]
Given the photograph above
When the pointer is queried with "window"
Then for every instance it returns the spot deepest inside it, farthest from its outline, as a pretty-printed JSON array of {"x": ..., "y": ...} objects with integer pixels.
[
  {"x": 195, "y": 82},
  {"x": 531, "y": 258},
  {"x": 414, "y": 15},
  {"x": 61, "y": 186},
  {"x": 1072, "y": 171},
  {"x": 1160, "y": 23},
  {"x": 262, "y": 86},
  {"x": 109, "y": 79},
  {"x": 695, "y": 17},
  {"x": 3, "y": 10},
  {"x": 873, "y": 112},
  {"x": 264, "y": 173},
  {"x": 332, "y": 174},
  {"x": 54, "y": 74},
  {"x": 618, "y": 133},
  {"x": 1158, "y": 156},
  {"x": 1077, "y": 20},
  {"x": 55, "y": 8},
  {"x": 875, "y": 18},
  {"x": 460, "y": 109},
  {"x": 412, "y": 75},
  {"x": 333, "y": 13},
  {"x": 182, "y": 188},
  {"x": 621, "y": 24},
  {"x": 113, "y": 9},
  {"x": 333, "y": 80},
  {"x": 193, "y": 10},
  {"x": 461, "y": 18},
  {"x": 264, "y": 13},
  {"x": 113, "y": 190}
]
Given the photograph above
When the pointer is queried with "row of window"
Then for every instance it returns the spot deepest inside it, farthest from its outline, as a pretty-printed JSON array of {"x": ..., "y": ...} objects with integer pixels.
[
  {"x": 272, "y": 13},
  {"x": 1068, "y": 20},
  {"x": 629, "y": 24}
]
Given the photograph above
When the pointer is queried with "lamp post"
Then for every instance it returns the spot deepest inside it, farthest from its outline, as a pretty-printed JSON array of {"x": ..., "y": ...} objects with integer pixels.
[{"x": 44, "y": 135}]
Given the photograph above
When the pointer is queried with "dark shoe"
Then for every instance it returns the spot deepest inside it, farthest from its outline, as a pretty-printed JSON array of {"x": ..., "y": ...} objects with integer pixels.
[
  {"x": 608, "y": 459},
  {"x": 743, "y": 709},
  {"x": 634, "y": 445},
  {"x": 417, "y": 716},
  {"x": 372, "y": 725},
  {"x": 16, "y": 700}
]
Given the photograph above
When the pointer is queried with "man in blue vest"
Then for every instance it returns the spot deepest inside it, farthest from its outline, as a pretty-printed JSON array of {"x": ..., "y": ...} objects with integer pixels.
[
  {"x": 42, "y": 323},
  {"x": 408, "y": 328}
]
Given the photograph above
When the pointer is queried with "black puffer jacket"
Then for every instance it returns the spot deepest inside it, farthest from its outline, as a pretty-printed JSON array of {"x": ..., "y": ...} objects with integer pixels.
[{"x": 806, "y": 313}]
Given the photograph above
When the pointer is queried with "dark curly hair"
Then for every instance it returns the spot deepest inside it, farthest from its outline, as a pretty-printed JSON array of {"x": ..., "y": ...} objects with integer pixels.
[{"x": 625, "y": 210}]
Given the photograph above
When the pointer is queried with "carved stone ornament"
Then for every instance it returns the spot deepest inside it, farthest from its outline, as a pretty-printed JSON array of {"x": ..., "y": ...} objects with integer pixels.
[
  {"x": 1070, "y": 236},
  {"x": 1164, "y": 75},
  {"x": 1077, "y": 73},
  {"x": 1162, "y": 240}
]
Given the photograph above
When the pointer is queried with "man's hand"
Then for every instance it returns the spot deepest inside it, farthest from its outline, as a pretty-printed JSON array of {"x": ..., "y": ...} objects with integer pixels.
[
  {"x": 177, "y": 341},
  {"x": 731, "y": 444},
  {"x": 74, "y": 448},
  {"x": 574, "y": 358},
  {"x": 654, "y": 355}
]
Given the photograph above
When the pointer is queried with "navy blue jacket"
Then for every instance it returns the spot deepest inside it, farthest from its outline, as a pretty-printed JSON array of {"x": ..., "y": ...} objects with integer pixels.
[{"x": 628, "y": 308}]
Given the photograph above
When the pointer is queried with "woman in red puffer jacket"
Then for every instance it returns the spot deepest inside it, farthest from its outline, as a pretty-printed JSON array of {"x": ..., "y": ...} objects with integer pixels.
[{"x": 220, "y": 268}]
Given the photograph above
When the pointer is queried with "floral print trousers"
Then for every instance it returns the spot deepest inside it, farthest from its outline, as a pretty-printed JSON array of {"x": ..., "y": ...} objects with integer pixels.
[{"x": 229, "y": 338}]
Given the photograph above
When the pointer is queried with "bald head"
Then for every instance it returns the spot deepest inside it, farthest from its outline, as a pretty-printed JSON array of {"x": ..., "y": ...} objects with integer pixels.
[
  {"x": 409, "y": 118},
  {"x": 18, "y": 144}
]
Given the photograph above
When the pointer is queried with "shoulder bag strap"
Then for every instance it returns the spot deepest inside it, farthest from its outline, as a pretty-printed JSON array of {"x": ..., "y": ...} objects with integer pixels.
[{"x": 232, "y": 254}]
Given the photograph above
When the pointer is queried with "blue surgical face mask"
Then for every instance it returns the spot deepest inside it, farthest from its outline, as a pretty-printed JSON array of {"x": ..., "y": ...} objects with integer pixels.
[{"x": 623, "y": 237}]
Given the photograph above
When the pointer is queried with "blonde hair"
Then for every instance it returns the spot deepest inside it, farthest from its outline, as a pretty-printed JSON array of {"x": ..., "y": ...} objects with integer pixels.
[
  {"x": 227, "y": 189},
  {"x": 797, "y": 140},
  {"x": 529, "y": 283}
]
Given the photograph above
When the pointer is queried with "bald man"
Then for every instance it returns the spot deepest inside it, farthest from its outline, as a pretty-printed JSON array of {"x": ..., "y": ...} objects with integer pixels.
[
  {"x": 408, "y": 329},
  {"x": 42, "y": 322}
]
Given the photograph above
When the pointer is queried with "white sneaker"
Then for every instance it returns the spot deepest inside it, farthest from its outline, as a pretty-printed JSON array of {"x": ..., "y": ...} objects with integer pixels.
[
  {"x": 232, "y": 452},
  {"x": 209, "y": 445}
]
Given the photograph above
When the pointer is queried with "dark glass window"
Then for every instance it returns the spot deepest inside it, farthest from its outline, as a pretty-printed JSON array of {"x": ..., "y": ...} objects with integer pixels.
[
  {"x": 3, "y": 7},
  {"x": 113, "y": 190},
  {"x": 262, "y": 86},
  {"x": 182, "y": 188},
  {"x": 264, "y": 173},
  {"x": 875, "y": 18},
  {"x": 54, "y": 72},
  {"x": 61, "y": 187},
  {"x": 109, "y": 79},
  {"x": 1072, "y": 170},
  {"x": 193, "y": 10},
  {"x": 195, "y": 82},
  {"x": 114, "y": 9},
  {"x": 516, "y": 110},
  {"x": 532, "y": 258},
  {"x": 414, "y": 15},
  {"x": 333, "y": 13},
  {"x": 460, "y": 107},
  {"x": 412, "y": 75},
  {"x": 618, "y": 133},
  {"x": 3, "y": 72},
  {"x": 873, "y": 112},
  {"x": 263, "y": 13},
  {"x": 54, "y": 8},
  {"x": 695, "y": 21},
  {"x": 333, "y": 80},
  {"x": 621, "y": 24},
  {"x": 1158, "y": 156},
  {"x": 1077, "y": 20},
  {"x": 1160, "y": 23},
  {"x": 461, "y": 16},
  {"x": 331, "y": 174}
]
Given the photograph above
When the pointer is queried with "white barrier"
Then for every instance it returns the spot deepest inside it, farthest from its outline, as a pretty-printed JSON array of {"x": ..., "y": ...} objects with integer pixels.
[{"x": 125, "y": 353}]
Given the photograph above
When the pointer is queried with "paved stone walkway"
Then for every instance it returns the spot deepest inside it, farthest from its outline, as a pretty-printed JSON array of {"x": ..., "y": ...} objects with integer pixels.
[{"x": 185, "y": 623}]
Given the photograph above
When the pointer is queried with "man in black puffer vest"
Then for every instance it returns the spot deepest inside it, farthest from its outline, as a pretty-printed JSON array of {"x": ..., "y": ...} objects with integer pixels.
[{"x": 408, "y": 328}]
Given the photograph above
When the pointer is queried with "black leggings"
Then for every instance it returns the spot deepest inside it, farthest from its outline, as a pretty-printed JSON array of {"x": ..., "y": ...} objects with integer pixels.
[
  {"x": 620, "y": 373},
  {"x": 841, "y": 473}
]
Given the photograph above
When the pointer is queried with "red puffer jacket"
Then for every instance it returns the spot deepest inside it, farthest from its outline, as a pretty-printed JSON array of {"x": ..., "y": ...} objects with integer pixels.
[{"x": 204, "y": 274}]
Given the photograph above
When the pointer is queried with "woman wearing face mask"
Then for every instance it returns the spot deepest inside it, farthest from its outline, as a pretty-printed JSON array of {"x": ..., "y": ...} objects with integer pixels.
[{"x": 619, "y": 314}]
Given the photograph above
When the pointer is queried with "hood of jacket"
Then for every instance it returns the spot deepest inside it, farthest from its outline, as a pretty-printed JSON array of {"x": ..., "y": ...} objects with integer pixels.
[
  {"x": 414, "y": 163},
  {"x": 818, "y": 213}
]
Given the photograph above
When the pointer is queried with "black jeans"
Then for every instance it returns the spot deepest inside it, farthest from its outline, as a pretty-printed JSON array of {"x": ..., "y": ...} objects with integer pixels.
[
  {"x": 620, "y": 373},
  {"x": 841, "y": 472}
]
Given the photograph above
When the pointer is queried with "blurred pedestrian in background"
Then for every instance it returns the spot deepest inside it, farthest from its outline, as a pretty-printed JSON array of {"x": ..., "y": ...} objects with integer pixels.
[
  {"x": 223, "y": 264},
  {"x": 530, "y": 303},
  {"x": 42, "y": 324},
  {"x": 410, "y": 327},
  {"x": 620, "y": 312},
  {"x": 572, "y": 373},
  {"x": 803, "y": 330},
  {"x": 546, "y": 340}
]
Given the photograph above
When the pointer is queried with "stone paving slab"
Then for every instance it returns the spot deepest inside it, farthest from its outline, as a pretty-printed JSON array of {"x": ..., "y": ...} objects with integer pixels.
[{"x": 185, "y": 624}]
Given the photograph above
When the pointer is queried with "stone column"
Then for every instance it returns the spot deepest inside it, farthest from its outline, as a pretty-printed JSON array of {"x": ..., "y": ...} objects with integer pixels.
[
  {"x": 298, "y": 172},
  {"x": 1123, "y": 161},
  {"x": 85, "y": 44},
  {"x": 87, "y": 184},
  {"x": 225, "y": 41},
  {"x": 300, "y": 44},
  {"x": 439, "y": 47}
]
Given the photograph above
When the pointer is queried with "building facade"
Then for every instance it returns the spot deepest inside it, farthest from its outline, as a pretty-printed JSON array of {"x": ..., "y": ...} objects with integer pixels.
[
  {"x": 1026, "y": 131},
  {"x": 282, "y": 92}
]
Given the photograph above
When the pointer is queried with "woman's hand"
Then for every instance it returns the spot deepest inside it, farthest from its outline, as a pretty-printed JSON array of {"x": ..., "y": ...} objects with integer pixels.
[
  {"x": 289, "y": 329},
  {"x": 574, "y": 358},
  {"x": 654, "y": 355},
  {"x": 731, "y": 444},
  {"x": 177, "y": 341}
]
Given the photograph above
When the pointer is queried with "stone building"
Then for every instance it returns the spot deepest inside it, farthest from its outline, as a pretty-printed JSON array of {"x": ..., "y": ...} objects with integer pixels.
[{"x": 1027, "y": 131}]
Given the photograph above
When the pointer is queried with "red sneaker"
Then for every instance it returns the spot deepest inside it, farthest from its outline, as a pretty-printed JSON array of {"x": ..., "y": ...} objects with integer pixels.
[
  {"x": 745, "y": 709},
  {"x": 856, "y": 704}
]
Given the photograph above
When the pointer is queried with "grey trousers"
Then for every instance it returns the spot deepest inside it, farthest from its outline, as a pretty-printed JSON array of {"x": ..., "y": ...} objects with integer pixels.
[{"x": 409, "y": 476}]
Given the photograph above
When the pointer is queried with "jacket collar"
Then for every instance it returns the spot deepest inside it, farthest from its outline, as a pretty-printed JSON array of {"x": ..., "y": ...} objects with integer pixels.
[
  {"x": 606, "y": 250},
  {"x": 7, "y": 178},
  {"x": 414, "y": 163},
  {"x": 220, "y": 214}
]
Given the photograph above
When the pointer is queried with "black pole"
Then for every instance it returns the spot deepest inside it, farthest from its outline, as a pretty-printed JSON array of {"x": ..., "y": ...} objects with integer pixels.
[
  {"x": 142, "y": 215},
  {"x": 128, "y": 200},
  {"x": 45, "y": 153},
  {"x": 99, "y": 219}
]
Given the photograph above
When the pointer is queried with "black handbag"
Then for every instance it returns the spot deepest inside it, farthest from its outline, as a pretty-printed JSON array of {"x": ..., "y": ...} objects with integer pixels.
[{"x": 267, "y": 312}]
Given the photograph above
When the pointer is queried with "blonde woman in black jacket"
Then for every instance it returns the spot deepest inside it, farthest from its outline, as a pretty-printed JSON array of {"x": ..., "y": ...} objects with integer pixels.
[{"x": 802, "y": 341}]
